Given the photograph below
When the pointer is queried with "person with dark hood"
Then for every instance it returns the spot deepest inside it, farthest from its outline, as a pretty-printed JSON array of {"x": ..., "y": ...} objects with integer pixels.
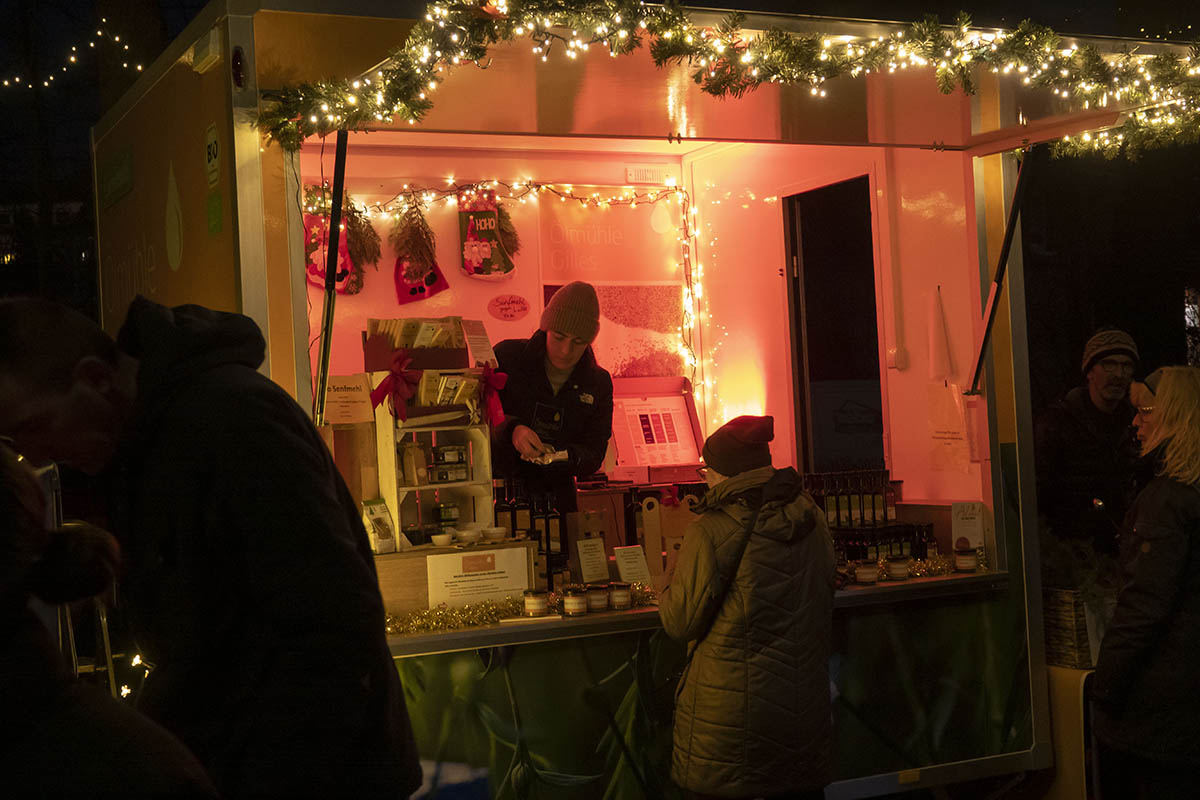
[
  {"x": 557, "y": 399},
  {"x": 1086, "y": 454},
  {"x": 248, "y": 576},
  {"x": 752, "y": 596},
  {"x": 61, "y": 738},
  {"x": 1147, "y": 715}
]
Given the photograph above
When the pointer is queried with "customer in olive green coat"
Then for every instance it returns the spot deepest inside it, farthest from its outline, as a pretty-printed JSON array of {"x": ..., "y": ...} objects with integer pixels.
[{"x": 752, "y": 712}]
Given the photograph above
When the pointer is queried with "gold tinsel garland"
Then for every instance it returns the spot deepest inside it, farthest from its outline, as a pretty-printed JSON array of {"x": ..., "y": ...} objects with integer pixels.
[{"x": 485, "y": 612}]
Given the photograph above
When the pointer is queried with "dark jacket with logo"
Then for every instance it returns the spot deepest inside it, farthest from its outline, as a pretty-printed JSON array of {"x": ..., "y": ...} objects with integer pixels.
[
  {"x": 753, "y": 715},
  {"x": 578, "y": 419},
  {"x": 1145, "y": 681},
  {"x": 1085, "y": 455},
  {"x": 249, "y": 575}
]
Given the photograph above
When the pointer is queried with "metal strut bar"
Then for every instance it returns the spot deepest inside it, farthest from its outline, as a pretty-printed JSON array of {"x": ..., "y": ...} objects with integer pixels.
[
  {"x": 989, "y": 314},
  {"x": 331, "y": 275}
]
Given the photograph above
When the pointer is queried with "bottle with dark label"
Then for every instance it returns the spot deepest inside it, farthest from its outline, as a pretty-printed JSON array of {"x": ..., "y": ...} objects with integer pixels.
[
  {"x": 855, "y": 490},
  {"x": 522, "y": 514},
  {"x": 871, "y": 546},
  {"x": 877, "y": 497},
  {"x": 843, "y": 501},
  {"x": 541, "y": 532},
  {"x": 503, "y": 508},
  {"x": 831, "y": 500},
  {"x": 931, "y": 542},
  {"x": 554, "y": 526},
  {"x": 634, "y": 525}
]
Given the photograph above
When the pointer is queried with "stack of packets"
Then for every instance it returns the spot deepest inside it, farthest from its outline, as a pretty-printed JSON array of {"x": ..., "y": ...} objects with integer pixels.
[
  {"x": 416, "y": 333},
  {"x": 446, "y": 388}
]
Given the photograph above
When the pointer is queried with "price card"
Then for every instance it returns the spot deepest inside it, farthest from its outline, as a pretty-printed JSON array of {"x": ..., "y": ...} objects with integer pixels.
[
  {"x": 631, "y": 564},
  {"x": 593, "y": 563}
]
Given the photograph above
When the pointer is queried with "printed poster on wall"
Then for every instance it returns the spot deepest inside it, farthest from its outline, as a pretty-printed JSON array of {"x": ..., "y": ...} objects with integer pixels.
[
  {"x": 639, "y": 329},
  {"x": 618, "y": 244}
]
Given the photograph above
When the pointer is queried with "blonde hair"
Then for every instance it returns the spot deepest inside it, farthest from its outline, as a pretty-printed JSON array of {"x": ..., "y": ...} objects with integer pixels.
[{"x": 1177, "y": 424}]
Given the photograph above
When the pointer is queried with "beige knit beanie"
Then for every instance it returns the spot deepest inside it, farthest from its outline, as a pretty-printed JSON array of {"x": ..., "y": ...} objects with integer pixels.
[
  {"x": 574, "y": 310},
  {"x": 1107, "y": 342}
]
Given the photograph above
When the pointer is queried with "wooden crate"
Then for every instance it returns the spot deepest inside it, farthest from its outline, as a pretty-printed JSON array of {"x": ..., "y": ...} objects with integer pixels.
[{"x": 403, "y": 580}]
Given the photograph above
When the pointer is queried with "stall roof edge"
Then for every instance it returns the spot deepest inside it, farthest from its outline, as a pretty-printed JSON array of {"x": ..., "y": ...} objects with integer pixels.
[{"x": 754, "y": 22}]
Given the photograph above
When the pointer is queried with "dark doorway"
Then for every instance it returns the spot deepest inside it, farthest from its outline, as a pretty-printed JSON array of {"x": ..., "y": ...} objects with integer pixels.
[{"x": 839, "y": 413}]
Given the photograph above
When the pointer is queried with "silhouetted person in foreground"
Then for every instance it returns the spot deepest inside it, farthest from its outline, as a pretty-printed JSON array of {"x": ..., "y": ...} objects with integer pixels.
[
  {"x": 249, "y": 578},
  {"x": 1147, "y": 711},
  {"x": 1086, "y": 454},
  {"x": 61, "y": 738}
]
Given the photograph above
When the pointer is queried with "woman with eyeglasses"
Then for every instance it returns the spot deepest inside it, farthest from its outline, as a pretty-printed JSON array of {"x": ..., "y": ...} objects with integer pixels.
[{"x": 1147, "y": 709}]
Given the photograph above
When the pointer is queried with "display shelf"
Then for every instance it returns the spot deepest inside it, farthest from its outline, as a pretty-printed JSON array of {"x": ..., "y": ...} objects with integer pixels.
[
  {"x": 433, "y": 487},
  {"x": 891, "y": 592},
  {"x": 646, "y": 618},
  {"x": 403, "y": 430},
  {"x": 597, "y": 623}
]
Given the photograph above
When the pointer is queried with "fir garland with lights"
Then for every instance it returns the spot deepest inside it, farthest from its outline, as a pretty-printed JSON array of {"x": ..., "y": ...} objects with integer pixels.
[{"x": 725, "y": 62}]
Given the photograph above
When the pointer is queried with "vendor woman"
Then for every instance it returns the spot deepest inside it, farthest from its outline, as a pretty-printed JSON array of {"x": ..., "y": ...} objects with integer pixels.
[{"x": 558, "y": 401}]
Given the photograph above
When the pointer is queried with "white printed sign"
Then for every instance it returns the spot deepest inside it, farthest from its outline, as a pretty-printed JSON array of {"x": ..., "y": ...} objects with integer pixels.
[
  {"x": 593, "y": 563},
  {"x": 456, "y": 579},
  {"x": 631, "y": 564}
]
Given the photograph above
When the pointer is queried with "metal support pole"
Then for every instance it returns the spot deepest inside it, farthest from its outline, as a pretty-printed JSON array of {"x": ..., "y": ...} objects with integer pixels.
[
  {"x": 331, "y": 276},
  {"x": 989, "y": 313}
]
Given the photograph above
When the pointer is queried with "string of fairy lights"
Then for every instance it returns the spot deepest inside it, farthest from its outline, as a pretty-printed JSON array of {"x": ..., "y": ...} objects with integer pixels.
[
  {"x": 103, "y": 35},
  {"x": 527, "y": 190},
  {"x": 1163, "y": 90}
]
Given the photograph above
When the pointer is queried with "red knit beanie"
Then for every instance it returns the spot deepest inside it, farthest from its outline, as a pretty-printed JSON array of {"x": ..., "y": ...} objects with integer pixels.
[{"x": 740, "y": 445}]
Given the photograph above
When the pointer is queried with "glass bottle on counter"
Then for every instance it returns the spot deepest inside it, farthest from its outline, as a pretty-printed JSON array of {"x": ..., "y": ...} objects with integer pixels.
[
  {"x": 553, "y": 525},
  {"x": 831, "y": 500},
  {"x": 871, "y": 546},
  {"x": 502, "y": 508},
  {"x": 854, "y": 489},
  {"x": 537, "y": 514},
  {"x": 931, "y": 543},
  {"x": 522, "y": 514},
  {"x": 878, "y": 495},
  {"x": 634, "y": 524},
  {"x": 889, "y": 500}
]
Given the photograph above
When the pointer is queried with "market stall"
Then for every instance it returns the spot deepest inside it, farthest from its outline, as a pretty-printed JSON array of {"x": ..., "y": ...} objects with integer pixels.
[{"x": 820, "y": 251}]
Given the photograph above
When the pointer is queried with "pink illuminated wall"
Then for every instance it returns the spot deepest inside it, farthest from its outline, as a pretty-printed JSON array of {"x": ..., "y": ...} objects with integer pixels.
[
  {"x": 631, "y": 254},
  {"x": 923, "y": 230}
]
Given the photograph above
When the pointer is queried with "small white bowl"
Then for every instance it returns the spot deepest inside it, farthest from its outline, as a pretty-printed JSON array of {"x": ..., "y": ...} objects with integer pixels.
[
  {"x": 495, "y": 534},
  {"x": 442, "y": 539},
  {"x": 467, "y": 536}
]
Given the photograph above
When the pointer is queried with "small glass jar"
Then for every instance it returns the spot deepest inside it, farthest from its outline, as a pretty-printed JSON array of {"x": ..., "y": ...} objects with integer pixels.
[
  {"x": 536, "y": 603},
  {"x": 597, "y": 597},
  {"x": 866, "y": 572},
  {"x": 446, "y": 512},
  {"x": 966, "y": 559},
  {"x": 897, "y": 568},
  {"x": 450, "y": 454},
  {"x": 620, "y": 596},
  {"x": 575, "y": 601}
]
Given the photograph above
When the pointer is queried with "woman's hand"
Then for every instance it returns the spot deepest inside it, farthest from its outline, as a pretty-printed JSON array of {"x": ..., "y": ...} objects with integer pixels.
[{"x": 529, "y": 444}]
